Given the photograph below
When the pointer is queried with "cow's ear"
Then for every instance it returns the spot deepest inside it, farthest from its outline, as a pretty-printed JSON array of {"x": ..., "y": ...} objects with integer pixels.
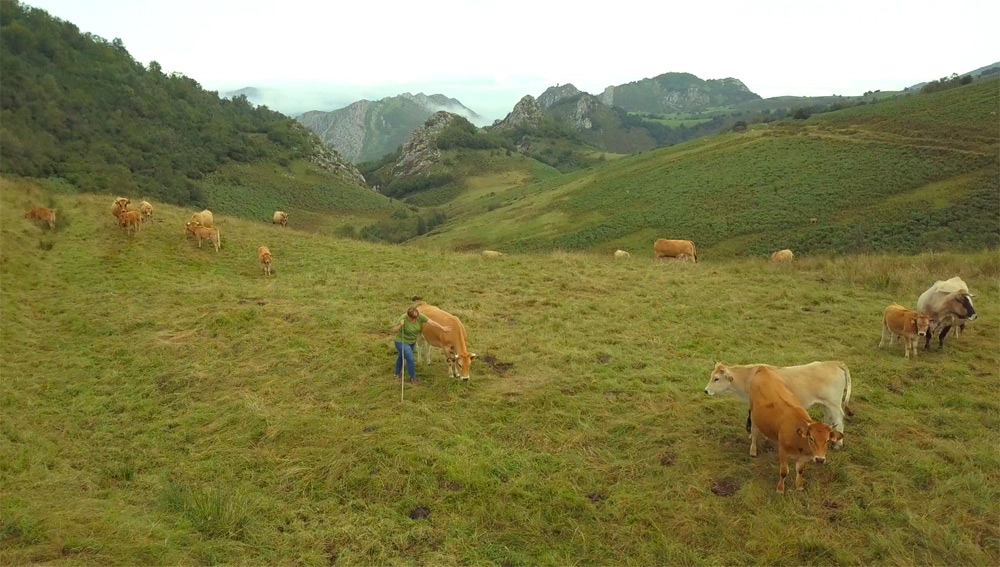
[
  {"x": 913, "y": 322},
  {"x": 803, "y": 430},
  {"x": 836, "y": 436},
  {"x": 728, "y": 375},
  {"x": 473, "y": 355}
]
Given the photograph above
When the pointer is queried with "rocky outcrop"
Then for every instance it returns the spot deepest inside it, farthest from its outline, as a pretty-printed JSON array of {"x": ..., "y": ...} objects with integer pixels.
[
  {"x": 526, "y": 113},
  {"x": 420, "y": 152},
  {"x": 554, "y": 94},
  {"x": 676, "y": 92},
  {"x": 367, "y": 130},
  {"x": 331, "y": 161}
]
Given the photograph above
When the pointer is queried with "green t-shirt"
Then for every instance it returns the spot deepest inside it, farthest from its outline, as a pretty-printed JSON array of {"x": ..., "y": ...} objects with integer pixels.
[{"x": 410, "y": 331}]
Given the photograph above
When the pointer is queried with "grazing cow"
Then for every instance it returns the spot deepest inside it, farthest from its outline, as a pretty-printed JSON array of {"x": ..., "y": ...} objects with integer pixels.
[
  {"x": 130, "y": 221},
  {"x": 146, "y": 210},
  {"x": 120, "y": 205},
  {"x": 452, "y": 343},
  {"x": 203, "y": 218},
  {"x": 826, "y": 384},
  {"x": 42, "y": 214},
  {"x": 621, "y": 254},
  {"x": 683, "y": 250},
  {"x": 491, "y": 254},
  {"x": 204, "y": 233},
  {"x": 782, "y": 256},
  {"x": 948, "y": 303},
  {"x": 776, "y": 413},
  {"x": 813, "y": 220},
  {"x": 264, "y": 257},
  {"x": 280, "y": 217},
  {"x": 908, "y": 324}
]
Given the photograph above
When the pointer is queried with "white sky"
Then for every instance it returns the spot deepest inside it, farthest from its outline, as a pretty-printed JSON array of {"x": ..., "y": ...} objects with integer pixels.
[{"x": 325, "y": 54}]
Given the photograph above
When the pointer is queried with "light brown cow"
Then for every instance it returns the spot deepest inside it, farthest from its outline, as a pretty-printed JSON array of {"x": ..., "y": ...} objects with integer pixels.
[
  {"x": 826, "y": 384},
  {"x": 280, "y": 217},
  {"x": 947, "y": 303},
  {"x": 683, "y": 250},
  {"x": 621, "y": 254},
  {"x": 130, "y": 221},
  {"x": 907, "y": 324},
  {"x": 42, "y": 214},
  {"x": 264, "y": 257},
  {"x": 203, "y": 218},
  {"x": 776, "y": 413},
  {"x": 121, "y": 204},
  {"x": 782, "y": 256},
  {"x": 492, "y": 254},
  {"x": 204, "y": 233},
  {"x": 452, "y": 342},
  {"x": 146, "y": 210}
]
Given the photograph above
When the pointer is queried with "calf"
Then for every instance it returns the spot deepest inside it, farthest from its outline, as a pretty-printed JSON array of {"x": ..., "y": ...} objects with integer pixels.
[
  {"x": 204, "y": 233},
  {"x": 826, "y": 384},
  {"x": 146, "y": 210},
  {"x": 264, "y": 257},
  {"x": 776, "y": 413},
  {"x": 130, "y": 221},
  {"x": 908, "y": 324},
  {"x": 42, "y": 214}
]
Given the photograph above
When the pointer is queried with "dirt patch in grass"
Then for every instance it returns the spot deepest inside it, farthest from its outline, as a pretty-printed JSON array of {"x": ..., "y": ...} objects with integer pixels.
[
  {"x": 667, "y": 459},
  {"x": 604, "y": 358},
  {"x": 420, "y": 512},
  {"x": 596, "y": 497},
  {"x": 725, "y": 486},
  {"x": 501, "y": 368}
]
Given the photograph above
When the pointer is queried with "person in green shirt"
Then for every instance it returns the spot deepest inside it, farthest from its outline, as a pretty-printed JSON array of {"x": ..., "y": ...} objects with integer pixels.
[{"x": 407, "y": 331}]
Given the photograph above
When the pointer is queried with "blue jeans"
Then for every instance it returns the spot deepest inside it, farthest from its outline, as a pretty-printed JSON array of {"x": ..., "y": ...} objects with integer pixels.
[{"x": 405, "y": 351}]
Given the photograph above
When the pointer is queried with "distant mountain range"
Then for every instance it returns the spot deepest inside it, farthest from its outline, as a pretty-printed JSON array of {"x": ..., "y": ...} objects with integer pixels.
[{"x": 367, "y": 130}]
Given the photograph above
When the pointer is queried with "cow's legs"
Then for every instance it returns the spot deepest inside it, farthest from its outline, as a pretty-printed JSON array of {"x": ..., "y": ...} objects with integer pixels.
[
  {"x": 800, "y": 479},
  {"x": 906, "y": 346},
  {"x": 944, "y": 333},
  {"x": 886, "y": 334},
  {"x": 782, "y": 468}
]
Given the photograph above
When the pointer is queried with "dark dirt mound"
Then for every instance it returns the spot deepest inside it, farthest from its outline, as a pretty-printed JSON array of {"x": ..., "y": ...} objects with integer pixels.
[
  {"x": 725, "y": 486},
  {"x": 501, "y": 368},
  {"x": 420, "y": 512}
]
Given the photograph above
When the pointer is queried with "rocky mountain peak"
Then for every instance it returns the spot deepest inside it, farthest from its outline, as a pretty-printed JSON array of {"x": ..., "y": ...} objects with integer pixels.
[
  {"x": 420, "y": 151},
  {"x": 554, "y": 94},
  {"x": 527, "y": 112}
]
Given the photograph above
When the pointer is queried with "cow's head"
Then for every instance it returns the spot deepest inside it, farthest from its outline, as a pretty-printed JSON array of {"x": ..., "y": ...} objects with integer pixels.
[
  {"x": 818, "y": 434},
  {"x": 462, "y": 363},
  {"x": 964, "y": 308},
  {"x": 921, "y": 324},
  {"x": 720, "y": 380},
  {"x": 191, "y": 226}
]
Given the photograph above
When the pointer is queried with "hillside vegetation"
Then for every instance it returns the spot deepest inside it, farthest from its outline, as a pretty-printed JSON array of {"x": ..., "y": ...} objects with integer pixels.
[
  {"x": 918, "y": 173},
  {"x": 165, "y": 405},
  {"x": 79, "y": 109}
]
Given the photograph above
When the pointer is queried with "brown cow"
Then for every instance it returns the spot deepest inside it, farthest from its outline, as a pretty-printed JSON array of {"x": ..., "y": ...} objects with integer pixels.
[
  {"x": 908, "y": 324},
  {"x": 280, "y": 217},
  {"x": 130, "y": 221},
  {"x": 264, "y": 257},
  {"x": 205, "y": 233},
  {"x": 452, "y": 342},
  {"x": 683, "y": 250},
  {"x": 782, "y": 256},
  {"x": 146, "y": 210},
  {"x": 120, "y": 205},
  {"x": 42, "y": 214},
  {"x": 776, "y": 413}
]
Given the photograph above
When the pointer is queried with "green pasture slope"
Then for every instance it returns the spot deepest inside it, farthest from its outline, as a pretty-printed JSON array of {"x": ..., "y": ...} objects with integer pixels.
[
  {"x": 915, "y": 174},
  {"x": 165, "y": 405}
]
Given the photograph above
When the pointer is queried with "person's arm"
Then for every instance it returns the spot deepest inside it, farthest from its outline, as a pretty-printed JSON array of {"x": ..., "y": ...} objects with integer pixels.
[
  {"x": 434, "y": 323},
  {"x": 398, "y": 328}
]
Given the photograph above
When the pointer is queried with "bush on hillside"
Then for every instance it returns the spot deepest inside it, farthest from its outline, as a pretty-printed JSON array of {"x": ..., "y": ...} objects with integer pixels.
[{"x": 945, "y": 83}]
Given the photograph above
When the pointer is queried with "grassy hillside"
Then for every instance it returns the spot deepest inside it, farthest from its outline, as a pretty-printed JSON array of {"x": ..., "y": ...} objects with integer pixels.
[
  {"x": 166, "y": 405},
  {"x": 918, "y": 173},
  {"x": 79, "y": 109}
]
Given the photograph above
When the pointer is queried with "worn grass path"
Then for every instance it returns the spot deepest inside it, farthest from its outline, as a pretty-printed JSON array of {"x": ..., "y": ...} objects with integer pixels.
[{"x": 161, "y": 404}]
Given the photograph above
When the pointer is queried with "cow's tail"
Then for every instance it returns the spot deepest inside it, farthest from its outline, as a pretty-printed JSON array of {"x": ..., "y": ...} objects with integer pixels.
[
  {"x": 749, "y": 422},
  {"x": 694, "y": 251},
  {"x": 847, "y": 395}
]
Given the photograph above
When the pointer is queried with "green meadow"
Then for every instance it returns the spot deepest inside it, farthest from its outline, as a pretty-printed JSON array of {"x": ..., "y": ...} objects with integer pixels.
[{"x": 162, "y": 404}]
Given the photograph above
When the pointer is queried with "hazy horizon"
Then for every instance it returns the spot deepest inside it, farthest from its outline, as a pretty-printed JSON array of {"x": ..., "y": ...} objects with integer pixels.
[{"x": 490, "y": 54}]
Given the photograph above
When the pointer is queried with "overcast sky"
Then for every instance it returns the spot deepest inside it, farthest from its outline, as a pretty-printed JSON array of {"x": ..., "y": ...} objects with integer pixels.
[{"x": 324, "y": 55}]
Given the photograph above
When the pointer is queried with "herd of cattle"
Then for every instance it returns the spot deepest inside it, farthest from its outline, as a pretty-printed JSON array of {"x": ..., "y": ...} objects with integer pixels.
[{"x": 778, "y": 396}]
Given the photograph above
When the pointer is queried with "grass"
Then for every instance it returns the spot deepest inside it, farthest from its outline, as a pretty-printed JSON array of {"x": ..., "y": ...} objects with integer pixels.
[
  {"x": 753, "y": 193},
  {"x": 162, "y": 404}
]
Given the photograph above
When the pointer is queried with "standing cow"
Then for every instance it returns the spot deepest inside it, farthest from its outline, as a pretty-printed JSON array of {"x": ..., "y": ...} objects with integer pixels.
[
  {"x": 42, "y": 214},
  {"x": 683, "y": 250},
  {"x": 280, "y": 217},
  {"x": 947, "y": 303}
]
